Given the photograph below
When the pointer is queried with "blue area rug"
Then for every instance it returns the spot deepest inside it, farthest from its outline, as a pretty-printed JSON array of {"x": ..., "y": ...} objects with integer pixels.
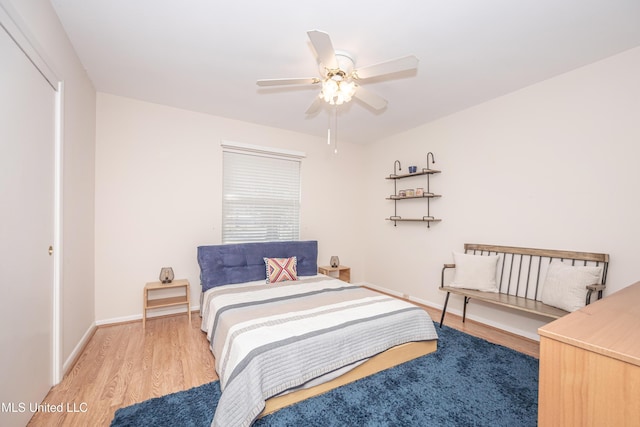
[{"x": 466, "y": 382}]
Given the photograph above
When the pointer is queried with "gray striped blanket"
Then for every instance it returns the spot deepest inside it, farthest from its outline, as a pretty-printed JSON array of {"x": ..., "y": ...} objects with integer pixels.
[{"x": 267, "y": 339}]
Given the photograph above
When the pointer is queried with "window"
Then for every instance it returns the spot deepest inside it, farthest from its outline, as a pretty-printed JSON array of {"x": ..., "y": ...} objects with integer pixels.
[{"x": 260, "y": 194}]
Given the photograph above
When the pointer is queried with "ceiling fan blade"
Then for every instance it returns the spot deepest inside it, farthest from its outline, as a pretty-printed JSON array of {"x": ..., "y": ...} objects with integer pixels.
[
  {"x": 324, "y": 48},
  {"x": 370, "y": 98},
  {"x": 409, "y": 62},
  {"x": 295, "y": 81},
  {"x": 315, "y": 106}
]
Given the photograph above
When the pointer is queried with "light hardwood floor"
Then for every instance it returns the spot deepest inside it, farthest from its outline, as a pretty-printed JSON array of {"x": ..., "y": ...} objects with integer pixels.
[{"x": 122, "y": 365}]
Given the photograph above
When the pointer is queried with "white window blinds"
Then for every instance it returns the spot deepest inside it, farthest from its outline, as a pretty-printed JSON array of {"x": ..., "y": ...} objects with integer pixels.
[{"x": 261, "y": 197}]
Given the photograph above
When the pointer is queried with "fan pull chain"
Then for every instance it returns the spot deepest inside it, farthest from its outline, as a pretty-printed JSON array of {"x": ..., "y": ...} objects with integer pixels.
[
  {"x": 333, "y": 124},
  {"x": 335, "y": 132}
]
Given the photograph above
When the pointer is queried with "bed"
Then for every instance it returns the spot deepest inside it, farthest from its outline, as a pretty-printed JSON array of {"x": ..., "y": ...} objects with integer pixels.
[{"x": 278, "y": 343}]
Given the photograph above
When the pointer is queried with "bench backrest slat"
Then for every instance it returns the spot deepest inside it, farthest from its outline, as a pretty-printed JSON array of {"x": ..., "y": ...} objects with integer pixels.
[
  {"x": 522, "y": 270},
  {"x": 552, "y": 253}
]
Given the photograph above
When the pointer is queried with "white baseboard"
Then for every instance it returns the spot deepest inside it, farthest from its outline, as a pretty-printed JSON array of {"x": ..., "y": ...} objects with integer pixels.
[
  {"x": 157, "y": 312},
  {"x": 78, "y": 349},
  {"x": 516, "y": 331},
  {"x": 122, "y": 319}
]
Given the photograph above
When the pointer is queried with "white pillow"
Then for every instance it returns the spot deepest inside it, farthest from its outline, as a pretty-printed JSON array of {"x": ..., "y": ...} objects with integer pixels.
[
  {"x": 477, "y": 272},
  {"x": 565, "y": 285}
]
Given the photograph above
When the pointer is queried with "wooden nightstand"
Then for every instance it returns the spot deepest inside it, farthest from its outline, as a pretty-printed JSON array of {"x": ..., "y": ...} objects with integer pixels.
[
  {"x": 344, "y": 272},
  {"x": 149, "y": 304}
]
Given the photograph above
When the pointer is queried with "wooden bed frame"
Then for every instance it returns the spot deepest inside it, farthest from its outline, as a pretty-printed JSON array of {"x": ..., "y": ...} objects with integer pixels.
[{"x": 385, "y": 360}]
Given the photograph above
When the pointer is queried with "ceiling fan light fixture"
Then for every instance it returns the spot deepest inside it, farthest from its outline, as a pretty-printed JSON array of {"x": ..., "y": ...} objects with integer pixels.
[{"x": 337, "y": 92}]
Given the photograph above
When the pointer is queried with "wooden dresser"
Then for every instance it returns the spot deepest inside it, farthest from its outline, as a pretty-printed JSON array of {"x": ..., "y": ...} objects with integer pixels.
[{"x": 590, "y": 364}]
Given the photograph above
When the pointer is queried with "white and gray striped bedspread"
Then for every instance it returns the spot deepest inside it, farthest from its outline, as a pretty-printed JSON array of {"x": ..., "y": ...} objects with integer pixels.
[{"x": 267, "y": 339}]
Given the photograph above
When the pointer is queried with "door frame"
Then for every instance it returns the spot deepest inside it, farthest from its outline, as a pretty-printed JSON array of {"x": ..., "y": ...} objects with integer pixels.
[{"x": 11, "y": 22}]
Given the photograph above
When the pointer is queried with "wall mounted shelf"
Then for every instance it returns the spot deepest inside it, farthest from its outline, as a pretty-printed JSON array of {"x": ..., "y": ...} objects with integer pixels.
[
  {"x": 431, "y": 195},
  {"x": 424, "y": 171},
  {"x": 402, "y": 195},
  {"x": 425, "y": 219}
]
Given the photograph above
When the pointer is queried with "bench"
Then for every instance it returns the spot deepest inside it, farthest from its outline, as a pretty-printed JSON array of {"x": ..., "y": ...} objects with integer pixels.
[{"x": 520, "y": 275}]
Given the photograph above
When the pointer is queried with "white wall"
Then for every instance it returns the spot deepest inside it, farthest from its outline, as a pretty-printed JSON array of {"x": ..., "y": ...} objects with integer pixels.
[
  {"x": 551, "y": 166},
  {"x": 38, "y": 21},
  {"x": 158, "y": 196}
]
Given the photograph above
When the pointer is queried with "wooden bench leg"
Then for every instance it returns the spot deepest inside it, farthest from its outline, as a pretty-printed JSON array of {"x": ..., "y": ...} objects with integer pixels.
[{"x": 444, "y": 309}]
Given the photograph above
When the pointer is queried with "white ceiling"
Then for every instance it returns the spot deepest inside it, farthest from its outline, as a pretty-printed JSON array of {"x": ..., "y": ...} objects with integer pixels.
[{"x": 206, "y": 55}]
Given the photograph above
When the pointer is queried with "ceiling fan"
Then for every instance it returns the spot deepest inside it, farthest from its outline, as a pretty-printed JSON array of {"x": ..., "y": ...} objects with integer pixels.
[{"x": 339, "y": 77}]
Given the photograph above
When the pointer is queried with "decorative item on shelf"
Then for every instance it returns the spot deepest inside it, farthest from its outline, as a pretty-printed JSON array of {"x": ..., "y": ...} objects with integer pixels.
[
  {"x": 419, "y": 192},
  {"x": 166, "y": 274},
  {"x": 413, "y": 169},
  {"x": 402, "y": 193},
  {"x": 411, "y": 192},
  {"x": 334, "y": 262}
]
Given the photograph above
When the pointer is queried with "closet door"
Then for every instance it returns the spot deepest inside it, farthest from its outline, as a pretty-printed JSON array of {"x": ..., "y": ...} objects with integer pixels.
[{"x": 27, "y": 144}]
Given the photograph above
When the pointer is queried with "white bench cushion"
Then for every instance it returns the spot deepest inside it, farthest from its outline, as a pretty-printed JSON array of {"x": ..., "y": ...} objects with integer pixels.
[
  {"x": 477, "y": 272},
  {"x": 565, "y": 285}
]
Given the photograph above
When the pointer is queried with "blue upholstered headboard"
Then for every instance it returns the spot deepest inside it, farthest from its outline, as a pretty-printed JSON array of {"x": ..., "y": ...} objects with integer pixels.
[{"x": 244, "y": 262}]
